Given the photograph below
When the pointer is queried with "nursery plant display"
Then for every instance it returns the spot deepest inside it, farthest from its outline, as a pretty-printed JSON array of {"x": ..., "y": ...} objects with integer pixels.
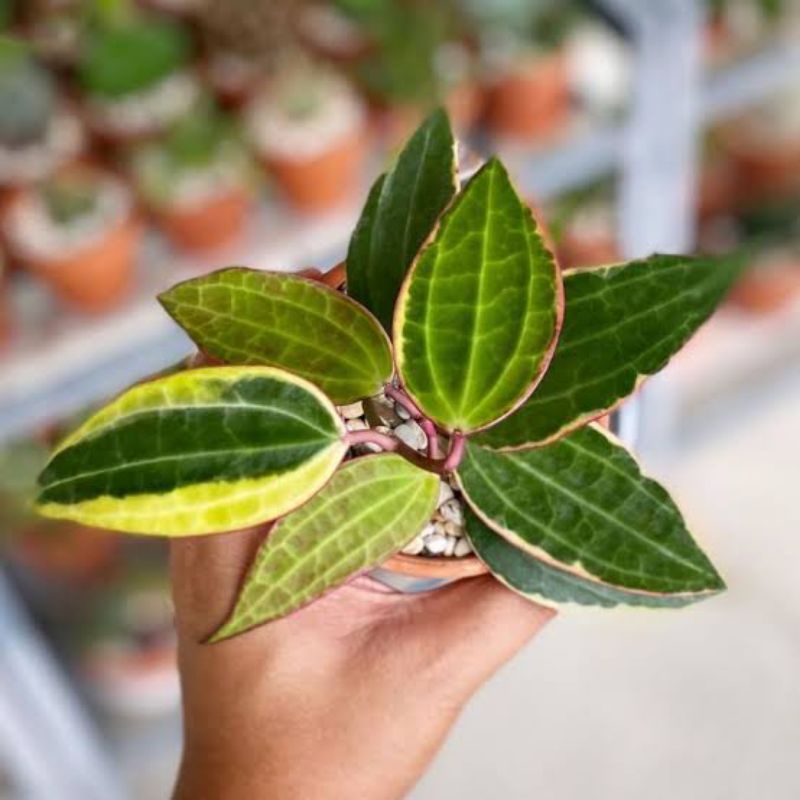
[
  {"x": 455, "y": 309},
  {"x": 37, "y": 135},
  {"x": 134, "y": 72},
  {"x": 528, "y": 81},
  {"x": 78, "y": 232},
  {"x": 199, "y": 181},
  {"x": 309, "y": 129}
]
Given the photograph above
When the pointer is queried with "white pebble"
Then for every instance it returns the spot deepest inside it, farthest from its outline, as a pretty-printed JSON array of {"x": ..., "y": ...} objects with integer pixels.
[
  {"x": 436, "y": 544},
  {"x": 416, "y": 545},
  {"x": 411, "y": 434},
  {"x": 462, "y": 548},
  {"x": 451, "y": 529},
  {"x": 452, "y": 511},
  {"x": 445, "y": 493},
  {"x": 451, "y": 546},
  {"x": 352, "y": 410},
  {"x": 356, "y": 425},
  {"x": 401, "y": 411}
]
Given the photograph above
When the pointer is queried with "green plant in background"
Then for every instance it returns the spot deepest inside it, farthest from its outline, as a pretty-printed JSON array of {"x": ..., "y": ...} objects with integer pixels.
[
  {"x": 204, "y": 140},
  {"x": 544, "y": 23},
  {"x": 407, "y": 37},
  {"x": 127, "y": 52},
  {"x": 69, "y": 197},
  {"x": 27, "y": 95},
  {"x": 507, "y": 358}
]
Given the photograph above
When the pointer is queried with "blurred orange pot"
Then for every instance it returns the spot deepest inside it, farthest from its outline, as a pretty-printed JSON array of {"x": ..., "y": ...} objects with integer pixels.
[
  {"x": 323, "y": 181},
  {"x": 763, "y": 168},
  {"x": 767, "y": 288},
  {"x": 96, "y": 277},
  {"x": 531, "y": 100},
  {"x": 207, "y": 225}
]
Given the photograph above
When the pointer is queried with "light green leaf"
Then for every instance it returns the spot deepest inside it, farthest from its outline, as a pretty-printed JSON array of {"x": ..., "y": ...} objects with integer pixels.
[
  {"x": 371, "y": 508},
  {"x": 543, "y": 583},
  {"x": 478, "y": 315},
  {"x": 245, "y": 316},
  {"x": 399, "y": 215},
  {"x": 622, "y": 323},
  {"x": 201, "y": 451},
  {"x": 583, "y": 506}
]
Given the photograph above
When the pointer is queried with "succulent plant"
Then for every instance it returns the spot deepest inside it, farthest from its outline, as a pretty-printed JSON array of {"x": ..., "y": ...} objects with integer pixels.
[
  {"x": 127, "y": 52},
  {"x": 69, "y": 196},
  {"x": 202, "y": 140},
  {"x": 27, "y": 95},
  {"x": 506, "y": 358}
]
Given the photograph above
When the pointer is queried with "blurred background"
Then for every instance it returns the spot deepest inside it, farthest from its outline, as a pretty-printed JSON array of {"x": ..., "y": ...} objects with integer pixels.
[{"x": 143, "y": 143}]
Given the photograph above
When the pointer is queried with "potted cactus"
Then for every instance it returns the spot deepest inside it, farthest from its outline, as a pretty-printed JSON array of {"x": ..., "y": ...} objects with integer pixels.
[
  {"x": 528, "y": 89},
  {"x": 308, "y": 127},
  {"x": 454, "y": 309},
  {"x": 78, "y": 232},
  {"x": 134, "y": 71},
  {"x": 199, "y": 181},
  {"x": 37, "y": 134}
]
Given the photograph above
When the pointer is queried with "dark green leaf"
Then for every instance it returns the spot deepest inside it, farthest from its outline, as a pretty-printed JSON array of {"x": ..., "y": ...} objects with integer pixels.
[
  {"x": 245, "y": 316},
  {"x": 401, "y": 211},
  {"x": 583, "y": 505},
  {"x": 201, "y": 451},
  {"x": 371, "y": 508},
  {"x": 477, "y": 317},
  {"x": 622, "y": 323},
  {"x": 542, "y": 582}
]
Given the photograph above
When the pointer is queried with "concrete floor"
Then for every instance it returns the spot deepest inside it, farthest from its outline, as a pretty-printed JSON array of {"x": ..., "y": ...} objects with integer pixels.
[{"x": 698, "y": 704}]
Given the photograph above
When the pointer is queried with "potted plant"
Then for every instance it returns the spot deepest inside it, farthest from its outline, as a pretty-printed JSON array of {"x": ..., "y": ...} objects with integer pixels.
[
  {"x": 78, "y": 232},
  {"x": 528, "y": 89},
  {"x": 418, "y": 58},
  {"x": 244, "y": 42},
  {"x": 199, "y": 181},
  {"x": 37, "y": 134},
  {"x": 134, "y": 72},
  {"x": 502, "y": 360},
  {"x": 764, "y": 148},
  {"x": 308, "y": 126}
]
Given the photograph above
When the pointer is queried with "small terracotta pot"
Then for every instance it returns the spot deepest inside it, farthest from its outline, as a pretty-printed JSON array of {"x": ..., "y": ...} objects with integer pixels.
[
  {"x": 97, "y": 277},
  {"x": 432, "y": 572},
  {"x": 717, "y": 188},
  {"x": 576, "y": 250},
  {"x": 530, "y": 101},
  {"x": 763, "y": 170},
  {"x": 209, "y": 225},
  {"x": 763, "y": 290},
  {"x": 324, "y": 181},
  {"x": 464, "y": 104}
]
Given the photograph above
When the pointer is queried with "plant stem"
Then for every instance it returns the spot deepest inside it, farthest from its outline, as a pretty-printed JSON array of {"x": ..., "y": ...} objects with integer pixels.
[
  {"x": 369, "y": 436},
  {"x": 456, "y": 452},
  {"x": 433, "y": 437},
  {"x": 390, "y": 444},
  {"x": 401, "y": 398}
]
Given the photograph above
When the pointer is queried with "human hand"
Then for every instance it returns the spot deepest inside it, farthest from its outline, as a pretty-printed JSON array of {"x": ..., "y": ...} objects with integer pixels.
[{"x": 349, "y": 697}]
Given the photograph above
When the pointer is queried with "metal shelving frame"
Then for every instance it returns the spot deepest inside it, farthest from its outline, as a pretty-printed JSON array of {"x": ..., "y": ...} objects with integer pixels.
[{"x": 47, "y": 740}]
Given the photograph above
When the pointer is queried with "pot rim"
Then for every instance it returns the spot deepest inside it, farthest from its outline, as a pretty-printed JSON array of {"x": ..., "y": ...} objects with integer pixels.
[{"x": 435, "y": 567}]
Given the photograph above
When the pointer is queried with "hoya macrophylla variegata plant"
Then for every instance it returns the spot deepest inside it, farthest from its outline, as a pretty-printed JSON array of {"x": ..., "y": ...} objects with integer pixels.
[{"x": 455, "y": 308}]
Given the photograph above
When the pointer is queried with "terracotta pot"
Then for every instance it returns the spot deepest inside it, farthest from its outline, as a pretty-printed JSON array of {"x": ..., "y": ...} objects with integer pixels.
[
  {"x": 768, "y": 288},
  {"x": 578, "y": 250},
  {"x": 209, "y": 225},
  {"x": 530, "y": 101},
  {"x": 68, "y": 552},
  {"x": 432, "y": 572},
  {"x": 717, "y": 188},
  {"x": 763, "y": 169},
  {"x": 97, "y": 277},
  {"x": 324, "y": 181}
]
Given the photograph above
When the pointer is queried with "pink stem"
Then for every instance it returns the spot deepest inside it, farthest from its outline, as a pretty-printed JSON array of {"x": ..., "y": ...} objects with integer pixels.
[
  {"x": 400, "y": 397},
  {"x": 433, "y": 437},
  {"x": 383, "y": 440},
  {"x": 456, "y": 452}
]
